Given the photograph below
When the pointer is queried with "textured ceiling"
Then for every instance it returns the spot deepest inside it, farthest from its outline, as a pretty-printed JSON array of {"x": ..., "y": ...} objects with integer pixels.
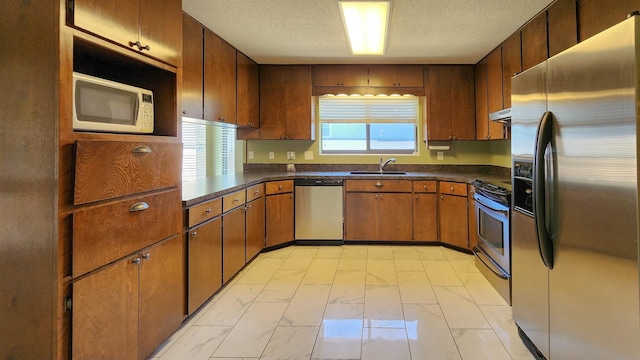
[{"x": 311, "y": 31}]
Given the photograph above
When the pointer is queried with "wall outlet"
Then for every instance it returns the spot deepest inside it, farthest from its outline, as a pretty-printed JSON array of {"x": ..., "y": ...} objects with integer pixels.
[
  {"x": 251, "y": 155},
  {"x": 308, "y": 155},
  {"x": 291, "y": 155},
  {"x": 440, "y": 155},
  {"x": 272, "y": 155}
]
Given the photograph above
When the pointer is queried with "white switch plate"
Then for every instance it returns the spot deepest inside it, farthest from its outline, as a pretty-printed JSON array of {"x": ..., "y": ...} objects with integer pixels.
[
  {"x": 440, "y": 155},
  {"x": 308, "y": 155},
  {"x": 272, "y": 155},
  {"x": 291, "y": 155},
  {"x": 251, "y": 155}
]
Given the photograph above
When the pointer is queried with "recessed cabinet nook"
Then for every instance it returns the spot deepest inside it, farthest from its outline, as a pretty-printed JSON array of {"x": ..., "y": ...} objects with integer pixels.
[{"x": 104, "y": 257}]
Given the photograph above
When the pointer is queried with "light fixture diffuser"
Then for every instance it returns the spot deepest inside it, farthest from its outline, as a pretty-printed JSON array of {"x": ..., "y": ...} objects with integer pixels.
[{"x": 366, "y": 23}]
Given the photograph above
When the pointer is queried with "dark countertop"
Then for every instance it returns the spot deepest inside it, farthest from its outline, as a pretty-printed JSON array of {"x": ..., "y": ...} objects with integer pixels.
[{"x": 200, "y": 190}]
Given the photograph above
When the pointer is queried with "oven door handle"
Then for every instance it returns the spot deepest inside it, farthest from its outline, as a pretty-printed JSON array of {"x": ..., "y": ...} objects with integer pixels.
[
  {"x": 505, "y": 212},
  {"x": 489, "y": 263}
]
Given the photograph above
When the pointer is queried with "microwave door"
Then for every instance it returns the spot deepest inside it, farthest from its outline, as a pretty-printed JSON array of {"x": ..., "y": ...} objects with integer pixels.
[{"x": 97, "y": 106}]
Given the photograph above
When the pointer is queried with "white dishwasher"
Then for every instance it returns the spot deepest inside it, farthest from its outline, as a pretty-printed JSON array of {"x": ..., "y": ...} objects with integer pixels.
[{"x": 318, "y": 210}]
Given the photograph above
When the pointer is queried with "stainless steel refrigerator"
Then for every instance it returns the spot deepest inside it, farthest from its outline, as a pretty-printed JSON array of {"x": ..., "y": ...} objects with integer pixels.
[{"x": 575, "y": 200}]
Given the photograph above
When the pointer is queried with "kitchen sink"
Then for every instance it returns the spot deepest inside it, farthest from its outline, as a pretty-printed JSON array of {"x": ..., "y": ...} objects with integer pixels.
[{"x": 377, "y": 173}]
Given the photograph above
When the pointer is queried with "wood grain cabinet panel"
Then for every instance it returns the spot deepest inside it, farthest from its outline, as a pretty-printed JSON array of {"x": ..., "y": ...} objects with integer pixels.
[
  {"x": 451, "y": 103},
  {"x": 279, "y": 187},
  {"x": 378, "y": 185},
  {"x": 156, "y": 24},
  {"x": 395, "y": 216},
  {"x": 597, "y": 15},
  {"x": 511, "y": 65},
  {"x": 396, "y": 75},
  {"x": 204, "y": 246},
  {"x": 233, "y": 200},
  {"x": 562, "y": 26},
  {"x": 204, "y": 211},
  {"x": 425, "y": 217},
  {"x": 454, "y": 226},
  {"x": 110, "y": 169},
  {"x": 494, "y": 80},
  {"x": 255, "y": 192},
  {"x": 192, "y": 71},
  {"x": 279, "y": 218},
  {"x": 340, "y": 75},
  {"x": 534, "y": 42},
  {"x": 361, "y": 216},
  {"x": 233, "y": 242},
  {"x": 254, "y": 227},
  {"x": 452, "y": 188},
  {"x": 108, "y": 232},
  {"x": 482, "y": 113},
  {"x": 248, "y": 92},
  {"x": 219, "y": 79}
]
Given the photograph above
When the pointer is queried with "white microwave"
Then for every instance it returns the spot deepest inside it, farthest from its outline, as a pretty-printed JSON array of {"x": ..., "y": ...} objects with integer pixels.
[{"x": 104, "y": 105}]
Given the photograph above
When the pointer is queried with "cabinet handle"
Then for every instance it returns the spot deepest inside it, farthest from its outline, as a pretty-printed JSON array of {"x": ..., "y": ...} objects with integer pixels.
[
  {"x": 380, "y": 196},
  {"x": 378, "y": 184},
  {"x": 139, "y": 45},
  {"x": 290, "y": 196},
  {"x": 442, "y": 197},
  {"x": 235, "y": 200},
  {"x": 452, "y": 188},
  {"x": 208, "y": 211},
  {"x": 221, "y": 118},
  {"x": 248, "y": 206},
  {"x": 146, "y": 47},
  {"x": 146, "y": 256},
  {"x": 257, "y": 192},
  {"x": 139, "y": 206},
  {"x": 280, "y": 187},
  {"x": 194, "y": 233},
  {"x": 450, "y": 137},
  {"x": 136, "y": 261},
  {"x": 142, "y": 149},
  {"x": 416, "y": 197}
]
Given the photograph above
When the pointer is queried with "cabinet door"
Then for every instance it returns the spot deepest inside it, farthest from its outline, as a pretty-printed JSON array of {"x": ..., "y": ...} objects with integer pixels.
[
  {"x": 279, "y": 218},
  {"x": 395, "y": 217},
  {"x": 562, "y": 26},
  {"x": 340, "y": 75},
  {"x": 248, "y": 92},
  {"x": 598, "y": 15},
  {"x": 425, "y": 217},
  {"x": 361, "y": 216},
  {"x": 255, "y": 227},
  {"x": 463, "y": 114},
  {"x": 439, "y": 103},
  {"x": 105, "y": 313},
  {"x": 161, "y": 293},
  {"x": 453, "y": 220},
  {"x": 192, "y": 62},
  {"x": 451, "y": 103},
  {"x": 511, "y": 65},
  {"x": 272, "y": 95},
  {"x": 494, "y": 80},
  {"x": 115, "y": 20},
  {"x": 233, "y": 243},
  {"x": 396, "y": 75},
  {"x": 298, "y": 103},
  {"x": 161, "y": 29},
  {"x": 219, "y": 79},
  {"x": 482, "y": 114},
  {"x": 534, "y": 42},
  {"x": 204, "y": 263}
]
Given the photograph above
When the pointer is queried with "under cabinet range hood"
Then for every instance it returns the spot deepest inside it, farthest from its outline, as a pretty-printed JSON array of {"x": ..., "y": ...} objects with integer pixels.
[{"x": 501, "y": 116}]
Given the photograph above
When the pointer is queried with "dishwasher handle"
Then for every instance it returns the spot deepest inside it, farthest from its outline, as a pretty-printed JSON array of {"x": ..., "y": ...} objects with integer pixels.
[{"x": 318, "y": 182}]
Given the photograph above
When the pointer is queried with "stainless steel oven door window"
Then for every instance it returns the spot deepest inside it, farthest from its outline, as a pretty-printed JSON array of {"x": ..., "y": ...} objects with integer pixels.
[{"x": 493, "y": 230}]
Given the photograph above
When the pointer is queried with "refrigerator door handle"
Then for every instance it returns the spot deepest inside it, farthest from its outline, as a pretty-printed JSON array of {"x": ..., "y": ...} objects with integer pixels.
[{"x": 543, "y": 138}]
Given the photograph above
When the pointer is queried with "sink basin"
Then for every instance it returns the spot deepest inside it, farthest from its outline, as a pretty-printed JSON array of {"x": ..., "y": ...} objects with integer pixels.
[{"x": 377, "y": 173}]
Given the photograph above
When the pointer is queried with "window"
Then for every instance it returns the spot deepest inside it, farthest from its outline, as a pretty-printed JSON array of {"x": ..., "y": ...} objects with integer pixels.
[
  {"x": 368, "y": 124},
  {"x": 207, "y": 150}
]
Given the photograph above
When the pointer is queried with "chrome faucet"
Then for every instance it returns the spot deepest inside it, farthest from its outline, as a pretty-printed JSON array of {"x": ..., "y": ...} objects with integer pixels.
[{"x": 382, "y": 165}]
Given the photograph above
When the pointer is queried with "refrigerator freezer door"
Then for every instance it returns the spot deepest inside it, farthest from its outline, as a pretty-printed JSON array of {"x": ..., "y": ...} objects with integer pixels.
[
  {"x": 593, "y": 287},
  {"x": 530, "y": 288}
]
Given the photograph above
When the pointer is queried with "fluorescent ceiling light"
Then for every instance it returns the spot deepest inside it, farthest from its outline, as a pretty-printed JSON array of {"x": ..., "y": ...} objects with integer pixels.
[{"x": 366, "y": 23}]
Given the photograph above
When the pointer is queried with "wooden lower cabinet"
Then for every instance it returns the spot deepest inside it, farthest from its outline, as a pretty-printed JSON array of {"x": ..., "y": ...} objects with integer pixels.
[
  {"x": 454, "y": 226},
  {"x": 205, "y": 263},
  {"x": 233, "y": 243},
  {"x": 425, "y": 217},
  {"x": 254, "y": 218},
  {"x": 279, "y": 218},
  {"x": 127, "y": 309},
  {"x": 361, "y": 216}
]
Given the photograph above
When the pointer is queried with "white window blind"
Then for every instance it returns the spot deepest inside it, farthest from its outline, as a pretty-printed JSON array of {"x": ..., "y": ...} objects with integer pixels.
[
  {"x": 194, "y": 153},
  {"x": 225, "y": 150},
  {"x": 369, "y": 109}
]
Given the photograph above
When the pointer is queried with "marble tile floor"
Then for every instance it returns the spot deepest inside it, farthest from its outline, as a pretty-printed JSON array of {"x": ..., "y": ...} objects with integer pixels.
[{"x": 352, "y": 302}]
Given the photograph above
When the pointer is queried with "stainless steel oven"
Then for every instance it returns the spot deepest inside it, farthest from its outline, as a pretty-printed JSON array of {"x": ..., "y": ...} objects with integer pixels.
[{"x": 493, "y": 251}]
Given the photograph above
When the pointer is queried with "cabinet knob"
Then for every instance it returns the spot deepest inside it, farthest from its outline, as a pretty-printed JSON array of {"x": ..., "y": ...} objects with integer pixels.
[
  {"x": 441, "y": 197},
  {"x": 378, "y": 184},
  {"x": 248, "y": 206},
  {"x": 290, "y": 196},
  {"x": 380, "y": 196},
  {"x": 221, "y": 118},
  {"x": 194, "y": 233},
  {"x": 146, "y": 256},
  {"x": 208, "y": 211},
  {"x": 451, "y": 188},
  {"x": 488, "y": 137},
  {"x": 235, "y": 200},
  {"x": 450, "y": 137},
  {"x": 256, "y": 192},
  {"x": 136, "y": 261},
  {"x": 184, "y": 112},
  {"x": 279, "y": 187},
  {"x": 416, "y": 197},
  {"x": 425, "y": 187}
]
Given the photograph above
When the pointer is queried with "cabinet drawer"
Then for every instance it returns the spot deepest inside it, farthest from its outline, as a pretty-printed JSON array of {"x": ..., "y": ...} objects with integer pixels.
[
  {"x": 108, "y": 232},
  {"x": 453, "y": 188},
  {"x": 233, "y": 200},
  {"x": 110, "y": 169},
  {"x": 255, "y": 192},
  {"x": 279, "y": 187},
  {"x": 378, "y": 185},
  {"x": 204, "y": 211},
  {"x": 425, "y": 186}
]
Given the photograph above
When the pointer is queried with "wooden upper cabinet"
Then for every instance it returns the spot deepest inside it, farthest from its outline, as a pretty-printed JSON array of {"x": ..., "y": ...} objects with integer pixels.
[
  {"x": 482, "y": 115},
  {"x": 248, "y": 92},
  {"x": 451, "y": 102},
  {"x": 340, "y": 75},
  {"x": 396, "y": 75},
  {"x": 511, "y": 65},
  {"x": 598, "y": 15},
  {"x": 155, "y": 25},
  {"x": 192, "y": 72},
  {"x": 285, "y": 102},
  {"x": 562, "y": 26},
  {"x": 219, "y": 79},
  {"x": 534, "y": 42},
  {"x": 494, "y": 80}
]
